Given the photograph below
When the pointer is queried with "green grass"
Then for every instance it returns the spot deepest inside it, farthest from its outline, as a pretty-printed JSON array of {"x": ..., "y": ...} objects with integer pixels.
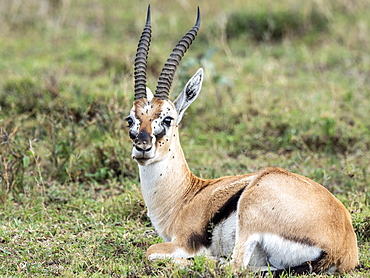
[{"x": 287, "y": 84}]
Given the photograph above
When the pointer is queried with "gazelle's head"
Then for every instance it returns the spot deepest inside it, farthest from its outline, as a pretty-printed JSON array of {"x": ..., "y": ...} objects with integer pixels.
[{"x": 153, "y": 120}]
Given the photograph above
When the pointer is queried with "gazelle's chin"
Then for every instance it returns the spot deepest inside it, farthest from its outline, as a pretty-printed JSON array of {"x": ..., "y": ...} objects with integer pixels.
[{"x": 143, "y": 161}]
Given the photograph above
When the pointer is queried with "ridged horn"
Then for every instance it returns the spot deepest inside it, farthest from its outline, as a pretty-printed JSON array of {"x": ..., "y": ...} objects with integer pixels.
[
  {"x": 165, "y": 79},
  {"x": 141, "y": 59}
]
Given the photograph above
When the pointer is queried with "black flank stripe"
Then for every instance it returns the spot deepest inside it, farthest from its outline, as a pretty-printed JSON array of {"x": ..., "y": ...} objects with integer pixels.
[
  {"x": 228, "y": 208},
  {"x": 197, "y": 240},
  {"x": 302, "y": 240}
]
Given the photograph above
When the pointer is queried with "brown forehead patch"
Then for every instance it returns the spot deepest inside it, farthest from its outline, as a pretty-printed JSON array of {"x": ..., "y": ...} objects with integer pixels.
[{"x": 147, "y": 111}]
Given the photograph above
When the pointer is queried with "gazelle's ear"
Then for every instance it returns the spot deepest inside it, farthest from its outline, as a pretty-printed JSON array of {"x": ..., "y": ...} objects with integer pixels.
[{"x": 189, "y": 93}]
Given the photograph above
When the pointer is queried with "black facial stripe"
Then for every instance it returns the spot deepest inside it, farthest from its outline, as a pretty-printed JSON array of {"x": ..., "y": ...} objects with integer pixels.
[
  {"x": 132, "y": 135},
  {"x": 197, "y": 240},
  {"x": 160, "y": 134}
]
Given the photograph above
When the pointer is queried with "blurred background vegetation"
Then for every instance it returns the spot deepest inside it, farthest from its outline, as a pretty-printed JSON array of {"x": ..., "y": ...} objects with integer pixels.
[{"x": 287, "y": 84}]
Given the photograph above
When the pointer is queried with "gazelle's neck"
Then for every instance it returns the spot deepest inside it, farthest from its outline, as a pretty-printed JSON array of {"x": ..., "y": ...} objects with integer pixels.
[{"x": 164, "y": 184}]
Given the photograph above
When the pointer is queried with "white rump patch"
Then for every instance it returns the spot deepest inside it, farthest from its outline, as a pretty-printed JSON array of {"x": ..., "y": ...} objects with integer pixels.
[{"x": 279, "y": 253}]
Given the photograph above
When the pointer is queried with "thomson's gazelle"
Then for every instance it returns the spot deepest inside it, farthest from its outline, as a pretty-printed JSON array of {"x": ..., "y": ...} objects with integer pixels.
[{"x": 271, "y": 219}]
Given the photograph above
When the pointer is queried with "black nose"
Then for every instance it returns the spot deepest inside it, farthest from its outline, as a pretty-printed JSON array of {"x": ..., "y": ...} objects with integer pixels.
[{"x": 143, "y": 142}]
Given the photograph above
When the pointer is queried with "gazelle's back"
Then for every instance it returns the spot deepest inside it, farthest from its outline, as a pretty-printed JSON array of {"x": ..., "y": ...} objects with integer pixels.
[{"x": 299, "y": 210}]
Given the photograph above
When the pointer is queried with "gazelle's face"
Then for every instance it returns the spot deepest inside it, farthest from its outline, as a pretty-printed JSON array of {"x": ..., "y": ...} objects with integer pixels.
[
  {"x": 153, "y": 120},
  {"x": 152, "y": 124}
]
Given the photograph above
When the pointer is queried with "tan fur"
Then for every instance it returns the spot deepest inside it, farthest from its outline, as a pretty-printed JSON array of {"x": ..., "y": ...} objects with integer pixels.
[
  {"x": 274, "y": 201},
  {"x": 146, "y": 115},
  {"x": 249, "y": 217},
  {"x": 280, "y": 199},
  {"x": 200, "y": 203}
]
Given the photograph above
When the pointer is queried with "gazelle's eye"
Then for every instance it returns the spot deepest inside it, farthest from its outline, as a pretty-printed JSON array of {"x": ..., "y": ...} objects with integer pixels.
[
  {"x": 167, "y": 121},
  {"x": 129, "y": 121}
]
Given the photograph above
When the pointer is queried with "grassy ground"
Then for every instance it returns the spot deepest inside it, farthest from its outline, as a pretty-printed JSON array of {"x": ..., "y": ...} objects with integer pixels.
[{"x": 287, "y": 84}]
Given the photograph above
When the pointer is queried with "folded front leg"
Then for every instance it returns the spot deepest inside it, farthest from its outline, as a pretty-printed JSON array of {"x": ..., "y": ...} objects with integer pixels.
[{"x": 168, "y": 250}]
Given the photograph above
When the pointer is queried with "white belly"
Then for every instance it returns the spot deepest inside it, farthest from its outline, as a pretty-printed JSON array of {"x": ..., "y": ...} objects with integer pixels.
[{"x": 223, "y": 237}]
